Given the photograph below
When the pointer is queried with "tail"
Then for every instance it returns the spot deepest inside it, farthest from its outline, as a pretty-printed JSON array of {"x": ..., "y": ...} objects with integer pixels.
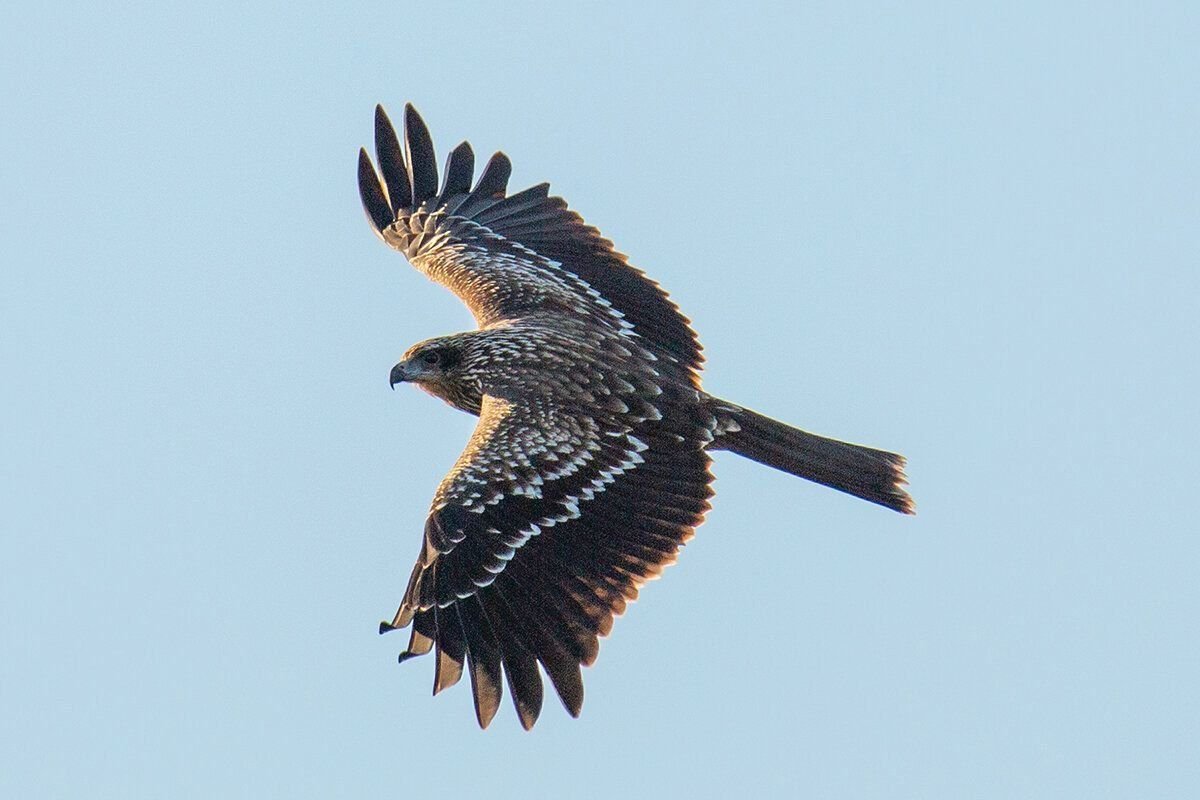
[{"x": 864, "y": 472}]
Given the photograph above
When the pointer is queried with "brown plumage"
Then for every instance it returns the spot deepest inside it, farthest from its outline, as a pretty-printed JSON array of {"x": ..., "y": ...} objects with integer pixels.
[{"x": 589, "y": 467}]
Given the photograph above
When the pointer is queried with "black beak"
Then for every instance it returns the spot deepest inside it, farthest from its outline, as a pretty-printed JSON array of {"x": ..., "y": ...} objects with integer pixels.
[{"x": 398, "y": 375}]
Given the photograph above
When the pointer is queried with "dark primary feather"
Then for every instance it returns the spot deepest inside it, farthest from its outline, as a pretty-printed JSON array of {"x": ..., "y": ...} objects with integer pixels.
[
  {"x": 484, "y": 659},
  {"x": 374, "y": 201},
  {"x": 491, "y": 186},
  {"x": 422, "y": 164},
  {"x": 460, "y": 166},
  {"x": 391, "y": 163}
]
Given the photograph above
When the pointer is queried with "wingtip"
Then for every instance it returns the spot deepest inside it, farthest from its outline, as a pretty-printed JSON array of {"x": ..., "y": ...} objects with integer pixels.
[
  {"x": 485, "y": 713},
  {"x": 371, "y": 193},
  {"x": 382, "y": 120},
  {"x": 492, "y": 184},
  {"x": 366, "y": 167},
  {"x": 528, "y": 720},
  {"x": 422, "y": 169},
  {"x": 444, "y": 678},
  {"x": 412, "y": 116},
  {"x": 456, "y": 178}
]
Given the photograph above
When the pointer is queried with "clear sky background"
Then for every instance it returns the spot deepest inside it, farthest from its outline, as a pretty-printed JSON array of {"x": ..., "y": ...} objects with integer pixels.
[{"x": 968, "y": 234}]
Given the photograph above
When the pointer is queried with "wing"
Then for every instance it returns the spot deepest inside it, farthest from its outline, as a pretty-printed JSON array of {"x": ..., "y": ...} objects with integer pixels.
[
  {"x": 509, "y": 255},
  {"x": 540, "y": 535}
]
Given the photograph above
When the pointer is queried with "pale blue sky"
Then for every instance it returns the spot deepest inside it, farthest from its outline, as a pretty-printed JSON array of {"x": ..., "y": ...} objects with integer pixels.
[{"x": 969, "y": 234}]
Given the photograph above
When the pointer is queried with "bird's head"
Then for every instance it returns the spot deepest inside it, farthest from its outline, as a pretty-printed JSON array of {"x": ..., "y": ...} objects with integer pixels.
[
  {"x": 431, "y": 361},
  {"x": 436, "y": 365}
]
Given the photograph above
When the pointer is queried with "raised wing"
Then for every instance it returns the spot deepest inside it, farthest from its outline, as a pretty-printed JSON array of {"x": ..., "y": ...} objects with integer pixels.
[
  {"x": 509, "y": 255},
  {"x": 542, "y": 532}
]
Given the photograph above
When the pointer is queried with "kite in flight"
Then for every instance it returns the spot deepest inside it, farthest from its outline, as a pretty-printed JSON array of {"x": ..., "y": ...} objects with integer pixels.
[{"x": 589, "y": 466}]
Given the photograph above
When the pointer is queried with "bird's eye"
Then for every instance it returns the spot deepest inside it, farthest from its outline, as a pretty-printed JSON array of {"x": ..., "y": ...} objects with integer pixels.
[{"x": 431, "y": 357}]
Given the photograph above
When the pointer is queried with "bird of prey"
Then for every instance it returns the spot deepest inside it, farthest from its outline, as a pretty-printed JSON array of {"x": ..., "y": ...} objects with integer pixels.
[{"x": 589, "y": 466}]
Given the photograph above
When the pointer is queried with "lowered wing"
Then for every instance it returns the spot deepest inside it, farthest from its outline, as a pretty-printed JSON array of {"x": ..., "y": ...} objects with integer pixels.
[{"x": 543, "y": 530}]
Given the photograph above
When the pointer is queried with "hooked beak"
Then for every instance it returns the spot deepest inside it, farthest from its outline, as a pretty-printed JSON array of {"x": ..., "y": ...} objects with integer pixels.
[{"x": 399, "y": 374}]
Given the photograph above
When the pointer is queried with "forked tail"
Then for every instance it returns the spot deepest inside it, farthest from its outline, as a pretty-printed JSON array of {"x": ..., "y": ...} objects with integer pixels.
[{"x": 873, "y": 475}]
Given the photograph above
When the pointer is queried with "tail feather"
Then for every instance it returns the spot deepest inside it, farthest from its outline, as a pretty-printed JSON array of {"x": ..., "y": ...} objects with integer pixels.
[{"x": 865, "y": 472}]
